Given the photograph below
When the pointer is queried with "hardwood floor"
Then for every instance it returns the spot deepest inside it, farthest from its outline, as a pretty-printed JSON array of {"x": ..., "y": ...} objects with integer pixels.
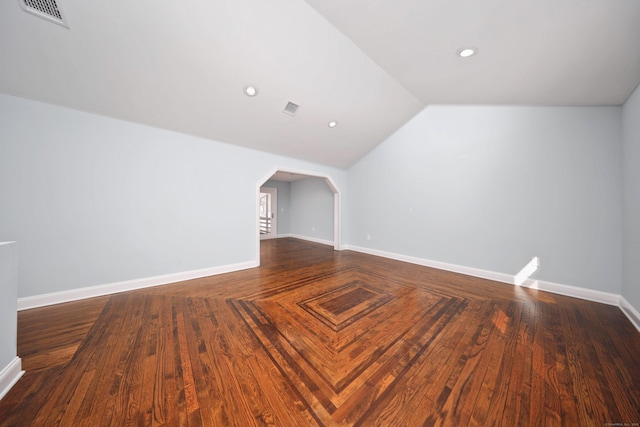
[{"x": 317, "y": 337}]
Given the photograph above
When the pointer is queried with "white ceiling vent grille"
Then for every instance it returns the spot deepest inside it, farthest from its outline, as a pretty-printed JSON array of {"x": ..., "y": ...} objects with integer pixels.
[
  {"x": 46, "y": 9},
  {"x": 291, "y": 108}
]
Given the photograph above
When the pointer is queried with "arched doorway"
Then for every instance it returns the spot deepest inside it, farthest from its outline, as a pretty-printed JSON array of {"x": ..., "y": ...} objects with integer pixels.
[{"x": 287, "y": 174}]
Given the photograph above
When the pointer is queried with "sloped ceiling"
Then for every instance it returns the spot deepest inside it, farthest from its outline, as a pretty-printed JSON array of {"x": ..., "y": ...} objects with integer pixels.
[
  {"x": 370, "y": 66},
  {"x": 532, "y": 52}
]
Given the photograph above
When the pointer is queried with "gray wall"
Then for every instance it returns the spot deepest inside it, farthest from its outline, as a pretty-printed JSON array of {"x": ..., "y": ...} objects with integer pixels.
[
  {"x": 631, "y": 230},
  {"x": 8, "y": 304},
  {"x": 312, "y": 207},
  {"x": 283, "y": 216},
  {"x": 93, "y": 200},
  {"x": 491, "y": 187}
]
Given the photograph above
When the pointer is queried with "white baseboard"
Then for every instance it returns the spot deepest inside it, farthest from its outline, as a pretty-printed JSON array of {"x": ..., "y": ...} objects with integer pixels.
[
  {"x": 10, "y": 375},
  {"x": 630, "y": 312},
  {"x": 35, "y": 301},
  {"x": 574, "y": 291},
  {"x": 311, "y": 239},
  {"x": 26, "y": 303},
  {"x": 469, "y": 271},
  {"x": 556, "y": 288}
]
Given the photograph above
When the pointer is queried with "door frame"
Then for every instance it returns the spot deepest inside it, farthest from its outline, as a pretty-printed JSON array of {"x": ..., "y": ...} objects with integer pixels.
[
  {"x": 274, "y": 212},
  {"x": 336, "y": 204}
]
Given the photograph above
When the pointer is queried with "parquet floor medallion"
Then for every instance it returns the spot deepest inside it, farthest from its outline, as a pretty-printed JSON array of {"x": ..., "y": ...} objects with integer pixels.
[
  {"x": 341, "y": 307},
  {"x": 345, "y": 339}
]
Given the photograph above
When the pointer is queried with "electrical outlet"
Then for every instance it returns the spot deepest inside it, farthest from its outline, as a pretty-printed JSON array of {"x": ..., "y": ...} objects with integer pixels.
[{"x": 368, "y": 236}]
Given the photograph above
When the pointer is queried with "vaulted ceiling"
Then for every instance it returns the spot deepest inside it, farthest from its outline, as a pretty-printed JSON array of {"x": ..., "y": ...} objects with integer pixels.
[{"x": 368, "y": 65}]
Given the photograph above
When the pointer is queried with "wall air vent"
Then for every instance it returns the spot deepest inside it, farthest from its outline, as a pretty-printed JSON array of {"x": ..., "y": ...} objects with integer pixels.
[
  {"x": 46, "y": 9},
  {"x": 291, "y": 108}
]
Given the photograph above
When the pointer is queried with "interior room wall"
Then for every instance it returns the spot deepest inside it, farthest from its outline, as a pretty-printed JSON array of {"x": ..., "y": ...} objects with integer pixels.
[
  {"x": 93, "y": 200},
  {"x": 283, "y": 216},
  {"x": 631, "y": 228},
  {"x": 312, "y": 209},
  {"x": 490, "y": 187}
]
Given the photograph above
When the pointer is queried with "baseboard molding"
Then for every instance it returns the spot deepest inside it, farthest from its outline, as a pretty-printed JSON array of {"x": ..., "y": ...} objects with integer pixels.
[
  {"x": 10, "y": 375},
  {"x": 556, "y": 288},
  {"x": 35, "y": 301},
  {"x": 574, "y": 291},
  {"x": 312, "y": 239},
  {"x": 630, "y": 311}
]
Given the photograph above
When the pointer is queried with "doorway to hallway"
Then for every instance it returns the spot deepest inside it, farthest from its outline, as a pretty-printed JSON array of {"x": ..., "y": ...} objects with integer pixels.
[
  {"x": 268, "y": 208},
  {"x": 313, "y": 222}
]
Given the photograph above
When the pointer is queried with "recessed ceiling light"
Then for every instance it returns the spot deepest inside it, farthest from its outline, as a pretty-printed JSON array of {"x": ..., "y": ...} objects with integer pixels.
[
  {"x": 465, "y": 52},
  {"x": 250, "y": 90},
  {"x": 333, "y": 124}
]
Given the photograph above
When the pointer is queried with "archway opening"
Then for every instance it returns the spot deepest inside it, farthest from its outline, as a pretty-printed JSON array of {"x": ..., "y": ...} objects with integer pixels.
[{"x": 294, "y": 178}]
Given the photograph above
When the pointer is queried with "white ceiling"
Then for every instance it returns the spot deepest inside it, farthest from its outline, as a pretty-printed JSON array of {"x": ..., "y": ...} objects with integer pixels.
[
  {"x": 288, "y": 176},
  {"x": 533, "y": 52},
  {"x": 370, "y": 66}
]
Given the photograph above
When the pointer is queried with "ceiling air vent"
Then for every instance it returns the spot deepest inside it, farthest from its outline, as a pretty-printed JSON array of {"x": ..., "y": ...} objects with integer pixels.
[
  {"x": 291, "y": 108},
  {"x": 46, "y": 9}
]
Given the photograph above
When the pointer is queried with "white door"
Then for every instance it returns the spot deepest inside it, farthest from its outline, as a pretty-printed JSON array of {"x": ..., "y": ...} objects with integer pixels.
[{"x": 268, "y": 209}]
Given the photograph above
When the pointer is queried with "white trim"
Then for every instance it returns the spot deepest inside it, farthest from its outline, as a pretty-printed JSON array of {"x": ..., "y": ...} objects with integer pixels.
[
  {"x": 307, "y": 238},
  {"x": 26, "y": 303},
  {"x": 556, "y": 288},
  {"x": 574, "y": 291},
  {"x": 10, "y": 375},
  {"x": 470, "y": 271},
  {"x": 630, "y": 312},
  {"x": 337, "y": 209},
  {"x": 311, "y": 239}
]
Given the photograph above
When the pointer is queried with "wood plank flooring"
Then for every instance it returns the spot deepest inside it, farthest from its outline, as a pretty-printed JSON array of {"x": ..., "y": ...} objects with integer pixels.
[{"x": 316, "y": 337}]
